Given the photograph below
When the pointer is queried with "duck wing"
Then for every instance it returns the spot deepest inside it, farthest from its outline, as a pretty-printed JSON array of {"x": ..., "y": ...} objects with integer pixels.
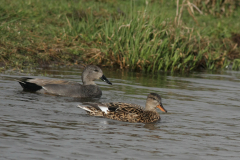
[
  {"x": 124, "y": 107},
  {"x": 34, "y": 84}
]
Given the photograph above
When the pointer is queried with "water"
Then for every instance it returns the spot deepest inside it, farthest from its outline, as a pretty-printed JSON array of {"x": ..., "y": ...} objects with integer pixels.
[{"x": 202, "y": 120}]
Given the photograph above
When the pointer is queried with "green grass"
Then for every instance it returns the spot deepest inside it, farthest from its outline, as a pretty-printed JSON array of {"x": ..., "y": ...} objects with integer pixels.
[{"x": 123, "y": 34}]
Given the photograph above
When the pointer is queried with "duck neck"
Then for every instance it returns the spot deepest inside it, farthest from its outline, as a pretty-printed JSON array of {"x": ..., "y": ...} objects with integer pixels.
[
  {"x": 149, "y": 108},
  {"x": 88, "y": 82}
]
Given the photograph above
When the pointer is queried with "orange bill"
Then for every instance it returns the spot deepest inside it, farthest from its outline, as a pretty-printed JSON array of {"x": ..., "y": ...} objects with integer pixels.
[{"x": 162, "y": 108}]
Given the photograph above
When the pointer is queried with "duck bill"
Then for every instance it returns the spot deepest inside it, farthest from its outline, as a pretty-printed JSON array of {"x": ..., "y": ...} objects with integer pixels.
[
  {"x": 103, "y": 78},
  {"x": 162, "y": 108}
]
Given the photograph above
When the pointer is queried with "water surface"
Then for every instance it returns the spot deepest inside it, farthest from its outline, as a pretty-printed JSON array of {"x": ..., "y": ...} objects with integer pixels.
[{"x": 202, "y": 120}]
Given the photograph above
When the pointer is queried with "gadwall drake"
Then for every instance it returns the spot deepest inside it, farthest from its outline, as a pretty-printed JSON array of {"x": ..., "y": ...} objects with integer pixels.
[
  {"x": 68, "y": 88},
  {"x": 128, "y": 112}
]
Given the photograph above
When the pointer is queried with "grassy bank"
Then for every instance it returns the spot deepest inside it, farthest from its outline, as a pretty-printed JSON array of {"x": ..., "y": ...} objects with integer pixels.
[{"x": 138, "y": 35}]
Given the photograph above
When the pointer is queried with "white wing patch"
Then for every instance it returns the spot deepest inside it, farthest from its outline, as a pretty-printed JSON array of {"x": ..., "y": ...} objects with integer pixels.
[
  {"x": 104, "y": 108},
  {"x": 44, "y": 88}
]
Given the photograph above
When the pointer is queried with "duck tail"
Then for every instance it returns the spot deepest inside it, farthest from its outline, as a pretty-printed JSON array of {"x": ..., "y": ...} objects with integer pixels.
[
  {"x": 86, "y": 108},
  {"x": 92, "y": 110},
  {"x": 28, "y": 86}
]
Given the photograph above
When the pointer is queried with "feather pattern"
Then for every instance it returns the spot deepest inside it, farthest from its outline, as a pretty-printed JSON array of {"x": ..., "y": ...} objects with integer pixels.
[
  {"x": 67, "y": 88},
  {"x": 128, "y": 112}
]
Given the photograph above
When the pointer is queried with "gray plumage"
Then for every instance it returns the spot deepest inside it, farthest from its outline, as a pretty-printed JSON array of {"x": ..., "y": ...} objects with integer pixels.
[{"x": 68, "y": 88}]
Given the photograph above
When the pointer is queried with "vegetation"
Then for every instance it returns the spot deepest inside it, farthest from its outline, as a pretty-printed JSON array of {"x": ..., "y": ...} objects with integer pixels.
[{"x": 168, "y": 35}]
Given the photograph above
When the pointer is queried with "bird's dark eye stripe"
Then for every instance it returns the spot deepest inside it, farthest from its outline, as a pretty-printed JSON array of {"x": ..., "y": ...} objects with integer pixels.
[
  {"x": 154, "y": 98},
  {"x": 96, "y": 70}
]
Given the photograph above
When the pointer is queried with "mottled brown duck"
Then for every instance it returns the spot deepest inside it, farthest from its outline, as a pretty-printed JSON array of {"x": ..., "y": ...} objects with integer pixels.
[
  {"x": 128, "y": 112},
  {"x": 68, "y": 88}
]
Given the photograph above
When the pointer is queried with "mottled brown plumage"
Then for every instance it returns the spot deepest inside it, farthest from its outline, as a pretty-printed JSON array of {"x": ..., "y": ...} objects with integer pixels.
[
  {"x": 67, "y": 88},
  {"x": 128, "y": 112}
]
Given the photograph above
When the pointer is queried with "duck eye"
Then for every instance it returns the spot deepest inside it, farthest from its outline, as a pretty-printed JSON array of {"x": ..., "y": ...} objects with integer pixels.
[
  {"x": 96, "y": 70},
  {"x": 154, "y": 98}
]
